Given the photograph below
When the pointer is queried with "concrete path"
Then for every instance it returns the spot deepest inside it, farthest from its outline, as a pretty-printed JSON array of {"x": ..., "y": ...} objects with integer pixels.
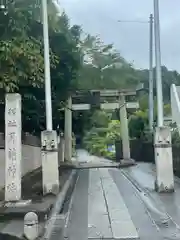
[
  {"x": 85, "y": 160},
  {"x": 105, "y": 205},
  {"x": 122, "y": 204}
]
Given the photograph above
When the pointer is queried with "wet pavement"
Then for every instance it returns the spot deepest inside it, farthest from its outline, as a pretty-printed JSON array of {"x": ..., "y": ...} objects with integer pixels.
[
  {"x": 85, "y": 160},
  {"x": 111, "y": 203},
  {"x": 106, "y": 206},
  {"x": 167, "y": 204}
]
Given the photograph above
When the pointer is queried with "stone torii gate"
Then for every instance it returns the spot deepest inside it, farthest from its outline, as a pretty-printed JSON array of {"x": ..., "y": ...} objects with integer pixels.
[{"x": 100, "y": 99}]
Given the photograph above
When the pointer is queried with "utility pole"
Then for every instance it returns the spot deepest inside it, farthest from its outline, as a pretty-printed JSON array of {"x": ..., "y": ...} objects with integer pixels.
[
  {"x": 151, "y": 97},
  {"x": 162, "y": 137},
  {"x": 158, "y": 64},
  {"x": 47, "y": 67},
  {"x": 49, "y": 141}
]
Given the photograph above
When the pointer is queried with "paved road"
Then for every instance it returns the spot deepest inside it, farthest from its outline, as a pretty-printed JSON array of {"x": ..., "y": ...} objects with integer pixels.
[
  {"x": 84, "y": 159},
  {"x": 121, "y": 204},
  {"x": 105, "y": 205}
]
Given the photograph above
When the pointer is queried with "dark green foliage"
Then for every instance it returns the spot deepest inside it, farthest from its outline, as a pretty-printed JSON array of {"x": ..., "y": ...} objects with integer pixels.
[{"x": 22, "y": 59}]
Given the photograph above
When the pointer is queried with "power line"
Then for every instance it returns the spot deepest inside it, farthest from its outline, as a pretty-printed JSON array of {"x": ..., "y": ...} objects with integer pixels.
[{"x": 133, "y": 21}]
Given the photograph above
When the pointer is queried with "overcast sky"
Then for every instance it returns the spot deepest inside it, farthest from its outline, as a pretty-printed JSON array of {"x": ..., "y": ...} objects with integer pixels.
[{"x": 131, "y": 39}]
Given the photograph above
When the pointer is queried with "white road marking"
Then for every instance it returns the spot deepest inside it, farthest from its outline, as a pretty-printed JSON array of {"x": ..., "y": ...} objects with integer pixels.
[
  {"x": 98, "y": 221},
  {"x": 121, "y": 222}
]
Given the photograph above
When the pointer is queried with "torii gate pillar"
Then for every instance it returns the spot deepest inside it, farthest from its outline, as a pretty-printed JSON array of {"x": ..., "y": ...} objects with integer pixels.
[
  {"x": 68, "y": 130},
  {"x": 124, "y": 128}
]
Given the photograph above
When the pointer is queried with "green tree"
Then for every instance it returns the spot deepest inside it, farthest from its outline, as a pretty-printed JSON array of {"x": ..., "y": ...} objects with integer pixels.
[
  {"x": 22, "y": 59},
  {"x": 95, "y": 56},
  {"x": 137, "y": 124}
]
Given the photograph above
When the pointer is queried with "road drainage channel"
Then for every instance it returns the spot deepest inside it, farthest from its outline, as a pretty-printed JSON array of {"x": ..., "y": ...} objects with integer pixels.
[
  {"x": 160, "y": 218},
  {"x": 66, "y": 204},
  {"x": 57, "y": 219}
]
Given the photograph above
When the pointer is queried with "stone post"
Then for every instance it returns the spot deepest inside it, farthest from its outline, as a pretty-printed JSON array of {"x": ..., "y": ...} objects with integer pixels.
[
  {"x": 68, "y": 130},
  {"x": 163, "y": 158},
  {"x": 31, "y": 228},
  {"x": 49, "y": 153},
  {"x": 13, "y": 147}
]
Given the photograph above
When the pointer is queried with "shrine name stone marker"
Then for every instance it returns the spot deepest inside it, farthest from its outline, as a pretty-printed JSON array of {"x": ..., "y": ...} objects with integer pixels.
[{"x": 13, "y": 147}]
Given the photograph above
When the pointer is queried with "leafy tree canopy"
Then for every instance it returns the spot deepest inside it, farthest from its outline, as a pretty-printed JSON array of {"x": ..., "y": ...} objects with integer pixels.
[{"x": 22, "y": 58}]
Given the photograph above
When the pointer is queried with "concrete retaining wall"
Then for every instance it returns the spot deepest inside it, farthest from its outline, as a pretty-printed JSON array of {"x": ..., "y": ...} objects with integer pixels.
[{"x": 31, "y": 155}]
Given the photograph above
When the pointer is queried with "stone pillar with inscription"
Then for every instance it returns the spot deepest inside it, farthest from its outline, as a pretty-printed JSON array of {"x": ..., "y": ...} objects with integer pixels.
[{"x": 13, "y": 147}]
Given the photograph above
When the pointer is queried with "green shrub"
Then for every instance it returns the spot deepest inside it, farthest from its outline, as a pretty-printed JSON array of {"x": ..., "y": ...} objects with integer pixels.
[
  {"x": 97, "y": 139},
  {"x": 137, "y": 124},
  {"x": 175, "y": 137}
]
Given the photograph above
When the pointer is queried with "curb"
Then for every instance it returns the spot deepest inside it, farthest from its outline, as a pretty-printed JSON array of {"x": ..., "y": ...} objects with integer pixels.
[
  {"x": 122, "y": 164},
  {"x": 127, "y": 163},
  {"x": 69, "y": 210},
  {"x": 57, "y": 208}
]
